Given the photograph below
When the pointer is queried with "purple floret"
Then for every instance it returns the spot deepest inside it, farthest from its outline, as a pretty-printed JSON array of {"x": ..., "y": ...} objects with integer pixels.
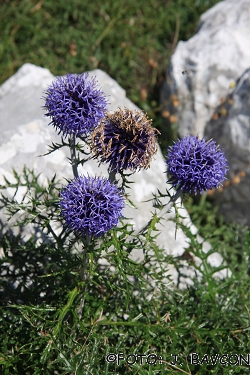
[
  {"x": 196, "y": 165},
  {"x": 91, "y": 205},
  {"x": 75, "y": 104}
]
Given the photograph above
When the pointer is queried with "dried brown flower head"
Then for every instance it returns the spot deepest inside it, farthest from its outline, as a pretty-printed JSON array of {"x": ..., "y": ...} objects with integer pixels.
[{"x": 125, "y": 139}]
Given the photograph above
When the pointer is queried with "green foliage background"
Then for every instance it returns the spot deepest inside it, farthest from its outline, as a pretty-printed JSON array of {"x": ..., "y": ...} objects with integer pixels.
[
  {"x": 40, "y": 331},
  {"x": 119, "y": 37}
]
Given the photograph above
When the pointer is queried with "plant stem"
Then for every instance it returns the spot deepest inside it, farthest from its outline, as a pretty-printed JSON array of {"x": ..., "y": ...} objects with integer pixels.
[
  {"x": 83, "y": 274},
  {"x": 73, "y": 154},
  {"x": 112, "y": 176},
  {"x": 166, "y": 208}
]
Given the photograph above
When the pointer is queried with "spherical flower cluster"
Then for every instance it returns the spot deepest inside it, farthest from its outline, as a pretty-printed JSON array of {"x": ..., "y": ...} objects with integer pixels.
[
  {"x": 196, "y": 165},
  {"x": 125, "y": 139},
  {"x": 74, "y": 104},
  {"x": 91, "y": 205}
]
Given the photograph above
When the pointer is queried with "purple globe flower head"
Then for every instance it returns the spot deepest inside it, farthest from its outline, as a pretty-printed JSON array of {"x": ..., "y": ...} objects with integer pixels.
[
  {"x": 91, "y": 205},
  {"x": 75, "y": 104},
  {"x": 125, "y": 139},
  {"x": 196, "y": 165}
]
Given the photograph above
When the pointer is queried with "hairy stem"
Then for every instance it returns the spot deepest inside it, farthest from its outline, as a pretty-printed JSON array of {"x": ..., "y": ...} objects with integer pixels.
[
  {"x": 112, "y": 176},
  {"x": 73, "y": 154}
]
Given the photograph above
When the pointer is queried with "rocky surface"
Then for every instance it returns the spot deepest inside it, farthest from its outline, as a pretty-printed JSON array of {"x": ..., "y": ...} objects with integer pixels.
[
  {"x": 203, "y": 69},
  {"x": 208, "y": 91},
  {"x": 25, "y": 135},
  {"x": 230, "y": 126}
]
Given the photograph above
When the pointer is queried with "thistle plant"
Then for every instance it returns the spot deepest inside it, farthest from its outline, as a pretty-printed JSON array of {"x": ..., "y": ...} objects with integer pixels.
[
  {"x": 75, "y": 105},
  {"x": 92, "y": 228},
  {"x": 124, "y": 139}
]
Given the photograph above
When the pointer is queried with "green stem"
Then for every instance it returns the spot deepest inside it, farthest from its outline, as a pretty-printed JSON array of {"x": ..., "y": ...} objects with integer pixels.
[
  {"x": 112, "y": 176},
  {"x": 73, "y": 154},
  {"x": 72, "y": 295},
  {"x": 166, "y": 208}
]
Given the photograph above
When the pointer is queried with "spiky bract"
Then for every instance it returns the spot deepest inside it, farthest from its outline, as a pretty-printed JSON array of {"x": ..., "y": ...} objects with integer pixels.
[
  {"x": 125, "y": 139},
  {"x": 75, "y": 104},
  {"x": 91, "y": 205},
  {"x": 196, "y": 165}
]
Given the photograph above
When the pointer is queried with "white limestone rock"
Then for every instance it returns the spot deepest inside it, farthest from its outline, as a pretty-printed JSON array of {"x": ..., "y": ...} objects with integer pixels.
[
  {"x": 213, "y": 94},
  {"x": 203, "y": 68},
  {"x": 231, "y": 128}
]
